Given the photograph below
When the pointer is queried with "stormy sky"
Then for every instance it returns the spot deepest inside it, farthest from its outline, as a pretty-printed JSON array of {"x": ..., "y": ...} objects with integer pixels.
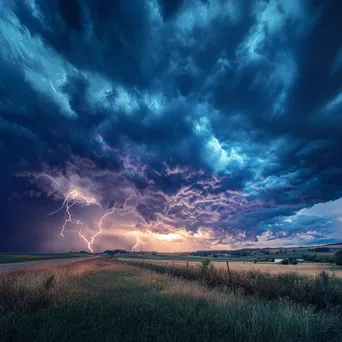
[{"x": 192, "y": 124}]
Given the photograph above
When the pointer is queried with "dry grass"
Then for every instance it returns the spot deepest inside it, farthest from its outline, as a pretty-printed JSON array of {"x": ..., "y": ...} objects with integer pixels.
[
  {"x": 310, "y": 269},
  {"x": 107, "y": 301},
  {"x": 34, "y": 288},
  {"x": 186, "y": 289},
  {"x": 321, "y": 291}
]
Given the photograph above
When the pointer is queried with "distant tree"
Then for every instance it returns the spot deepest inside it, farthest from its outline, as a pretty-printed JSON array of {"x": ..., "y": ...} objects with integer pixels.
[
  {"x": 294, "y": 261},
  {"x": 255, "y": 261},
  {"x": 321, "y": 249},
  {"x": 285, "y": 261},
  {"x": 338, "y": 258}
]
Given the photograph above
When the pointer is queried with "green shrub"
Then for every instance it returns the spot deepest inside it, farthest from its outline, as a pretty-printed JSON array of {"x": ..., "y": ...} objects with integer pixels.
[
  {"x": 285, "y": 261},
  {"x": 338, "y": 258},
  {"x": 294, "y": 261},
  {"x": 207, "y": 272}
]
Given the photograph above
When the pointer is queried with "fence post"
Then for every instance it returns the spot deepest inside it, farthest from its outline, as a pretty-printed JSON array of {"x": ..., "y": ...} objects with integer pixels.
[
  {"x": 325, "y": 288},
  {"x": 229, "y": 274},
  {"x": 187, "y": 269},
  {"x": 173, "y": 267}
]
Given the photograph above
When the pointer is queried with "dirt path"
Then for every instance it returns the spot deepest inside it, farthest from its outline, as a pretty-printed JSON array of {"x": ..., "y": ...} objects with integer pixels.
[{"x": 36, "y": 263}]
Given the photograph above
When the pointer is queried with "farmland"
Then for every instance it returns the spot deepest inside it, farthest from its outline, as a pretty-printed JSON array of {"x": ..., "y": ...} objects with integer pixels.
[
  {"x": 307, "y": 268},
  {"x": 104, "y": 300},
  {"x": 245, "y": 262}
]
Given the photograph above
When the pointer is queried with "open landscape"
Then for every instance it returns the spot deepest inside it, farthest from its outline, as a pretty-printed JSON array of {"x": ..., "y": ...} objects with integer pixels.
[
  {"x": 170, "y": 170},
  {"x": 108, "y": 300},
  {"x": 310, "y": 260}
]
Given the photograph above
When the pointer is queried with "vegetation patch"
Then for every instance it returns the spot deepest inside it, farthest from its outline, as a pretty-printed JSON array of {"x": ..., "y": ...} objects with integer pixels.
[
  {"x": 323, "y": 291},
  {"x": 102, "y": 300}
]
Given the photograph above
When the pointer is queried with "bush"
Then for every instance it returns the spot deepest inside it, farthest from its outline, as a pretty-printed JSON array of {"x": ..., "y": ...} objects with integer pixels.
[
  {"x": 285, "y": 261},
  {"x": 207, "y": 272},
  {"x": 294, "y": 262},
  {"x": 338, "y": 258}
]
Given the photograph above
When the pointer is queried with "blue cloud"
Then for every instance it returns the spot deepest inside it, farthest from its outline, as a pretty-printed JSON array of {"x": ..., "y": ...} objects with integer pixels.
[{"x": 217, "y": 115}]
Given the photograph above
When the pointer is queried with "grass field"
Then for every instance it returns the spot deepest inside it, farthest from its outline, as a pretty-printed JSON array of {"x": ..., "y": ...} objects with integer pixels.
[
  {"x": 307, "y": 268},
  {"x": 102, "y": 300},
  {"x": 18, "y": 257},
  {"x": 180, "y": 257},
  {"x": 239, "y": 264},
  {"x": 247, "y": 258}
]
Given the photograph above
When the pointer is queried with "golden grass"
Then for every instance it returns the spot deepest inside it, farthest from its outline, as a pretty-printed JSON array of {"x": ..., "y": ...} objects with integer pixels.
[
  {"x": 178, "y": 287},
  {"x": 310, "y": 269},
  {"x": 124, "y": 302},
  {"x": 195, "y": 290},
  {"x": 33, "y": 288}
]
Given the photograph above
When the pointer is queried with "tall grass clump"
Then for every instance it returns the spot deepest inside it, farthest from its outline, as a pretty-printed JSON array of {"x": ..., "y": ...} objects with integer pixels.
[{"x": 35, "y": 288}]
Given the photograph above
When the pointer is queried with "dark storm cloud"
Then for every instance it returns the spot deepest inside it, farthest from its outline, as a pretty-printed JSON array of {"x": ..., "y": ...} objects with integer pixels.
[{"x": 215, "y": 114}]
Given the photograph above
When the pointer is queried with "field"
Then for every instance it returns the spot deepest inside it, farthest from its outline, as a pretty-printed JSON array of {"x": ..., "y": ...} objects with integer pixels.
[
  {"x": 104, "y": 300},
  {"x": 247, "y": 258},
  {"x": 302, "y": 268},
  {"x": 240, "y": 263},
  {"x": 18, "y": 257}
]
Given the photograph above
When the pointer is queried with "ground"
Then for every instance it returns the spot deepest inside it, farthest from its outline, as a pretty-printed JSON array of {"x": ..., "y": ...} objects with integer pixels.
[{"x": 104, "y": 300}]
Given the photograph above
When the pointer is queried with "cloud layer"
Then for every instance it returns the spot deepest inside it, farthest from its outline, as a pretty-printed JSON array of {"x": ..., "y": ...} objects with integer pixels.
[{"x": 222, "y": 117}]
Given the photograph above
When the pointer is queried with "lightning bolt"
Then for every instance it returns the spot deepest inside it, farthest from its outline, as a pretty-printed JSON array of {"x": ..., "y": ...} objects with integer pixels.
[
  {"x": 74, "y": 197},
  {"x": 139, "y": 242}
]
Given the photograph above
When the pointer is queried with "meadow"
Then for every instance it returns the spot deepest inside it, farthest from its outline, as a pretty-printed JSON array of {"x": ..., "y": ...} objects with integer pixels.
[
  {"x": 323, "y": 290},
  {"x": 23, "y": 257},
  {"x": 242, "y": 263},
  {"x": 307, "y": 268},
  {"x": 105, "y": 300}
]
